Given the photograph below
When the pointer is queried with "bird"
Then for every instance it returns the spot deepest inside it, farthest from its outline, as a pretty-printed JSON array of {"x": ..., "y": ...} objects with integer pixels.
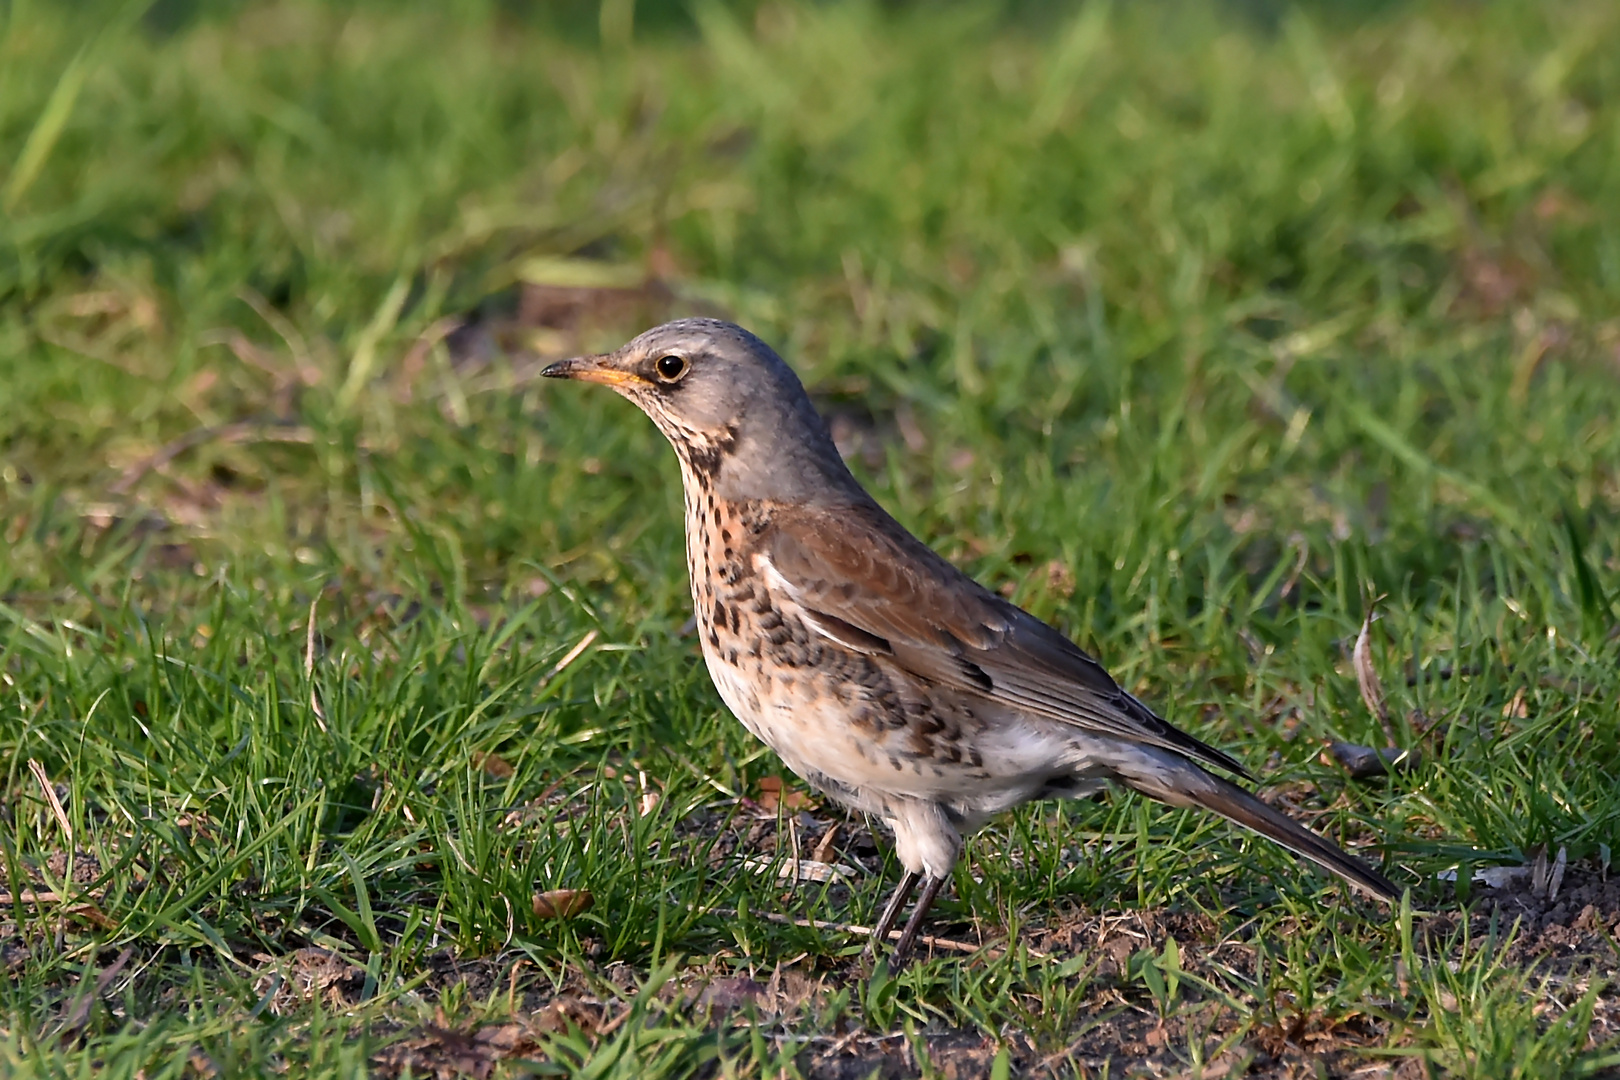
[{"x": 881, "y": 674}]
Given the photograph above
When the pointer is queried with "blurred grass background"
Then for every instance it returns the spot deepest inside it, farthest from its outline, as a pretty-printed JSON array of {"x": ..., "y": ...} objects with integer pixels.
[{"x": 1195, "y": 326}]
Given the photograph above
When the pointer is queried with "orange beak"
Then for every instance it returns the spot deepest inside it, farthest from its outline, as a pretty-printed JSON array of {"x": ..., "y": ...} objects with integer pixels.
[{"x": 597, "y": 369}]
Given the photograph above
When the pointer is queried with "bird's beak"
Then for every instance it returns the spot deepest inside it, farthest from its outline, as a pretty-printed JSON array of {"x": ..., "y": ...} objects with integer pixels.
[{"x": 602, "y": 368}]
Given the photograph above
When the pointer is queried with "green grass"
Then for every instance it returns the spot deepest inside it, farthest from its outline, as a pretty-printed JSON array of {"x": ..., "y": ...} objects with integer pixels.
[{"x": 1197, "y": 330}]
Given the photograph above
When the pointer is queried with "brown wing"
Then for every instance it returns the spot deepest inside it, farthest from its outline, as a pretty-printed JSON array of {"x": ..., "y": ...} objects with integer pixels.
[{"x": 940, "y": 624}]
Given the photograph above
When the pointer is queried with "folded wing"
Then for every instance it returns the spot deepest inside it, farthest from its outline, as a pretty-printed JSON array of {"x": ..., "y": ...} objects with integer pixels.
[{"x": 915, "y": 607}]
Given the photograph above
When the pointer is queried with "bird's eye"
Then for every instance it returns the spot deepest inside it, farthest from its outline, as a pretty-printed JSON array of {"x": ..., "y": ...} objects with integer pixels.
[{"x": 671, "y": 367}]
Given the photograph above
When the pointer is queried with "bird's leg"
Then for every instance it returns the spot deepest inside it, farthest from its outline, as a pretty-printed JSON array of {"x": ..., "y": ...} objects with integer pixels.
[
  {"x": 890, "y": 916},
  {"x": 908, "y": 936}
]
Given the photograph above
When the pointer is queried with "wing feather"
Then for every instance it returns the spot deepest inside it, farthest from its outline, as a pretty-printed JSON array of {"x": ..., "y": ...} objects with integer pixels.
[{"x": 935, "y": 621}]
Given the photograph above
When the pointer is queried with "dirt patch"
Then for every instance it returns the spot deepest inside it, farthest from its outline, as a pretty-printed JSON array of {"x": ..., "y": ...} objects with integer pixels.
[
  {"x": 950, "y": 1056},
  {"x": 1565, "y": 932},
  {"x": 1124, "y": 1026},
  {"x": 1566, "y": 935},
  {"x": 444, "y": 1052}
]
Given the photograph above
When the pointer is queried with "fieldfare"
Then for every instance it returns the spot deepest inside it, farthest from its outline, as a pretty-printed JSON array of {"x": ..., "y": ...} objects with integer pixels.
[{"x": 879, "y": 672}]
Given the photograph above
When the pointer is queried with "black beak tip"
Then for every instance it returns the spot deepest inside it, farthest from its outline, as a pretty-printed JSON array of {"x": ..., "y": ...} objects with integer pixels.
[{"x": 559, "y": 370}]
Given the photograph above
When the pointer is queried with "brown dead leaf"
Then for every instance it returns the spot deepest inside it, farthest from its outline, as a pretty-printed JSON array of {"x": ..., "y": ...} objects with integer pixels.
[
  {"x": 493, "y": 765},
  {"x": 1492, "y": 280},
  {"x": 1372, "y": 689},
  {"x": 648, "y": 801},
  {"x": 85, "y": 910},
  {"x": 1224, "y": 1066},
  {"x": 729, "y": 994},
  {"x": 774, "y": 794},
  {"x": 52, "y": 800},
  {"x": 1542, "y": 344},
  {"x": 1059, "y": 579},
  {"x": 1547, "y": 875},
  {"x": 562, "y": 903},
  {"x": 824, "y": 850},
  {"x": 801, "y": 869},
  {"x": 202, "y": 1065},
  {"x": 85, "y": 998},
  {"x": 562, "y": 1013},
  {"x": 1555, "y": 880},
  {"x": 1556, "y": 203}
]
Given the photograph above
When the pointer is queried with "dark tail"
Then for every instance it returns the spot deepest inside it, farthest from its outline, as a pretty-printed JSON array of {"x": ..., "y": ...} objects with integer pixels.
[{"x": 1185, "y": 784}]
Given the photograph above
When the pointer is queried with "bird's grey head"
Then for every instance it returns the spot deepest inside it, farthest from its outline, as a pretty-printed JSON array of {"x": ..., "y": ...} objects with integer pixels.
[{"x": 734, "y": 411}]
